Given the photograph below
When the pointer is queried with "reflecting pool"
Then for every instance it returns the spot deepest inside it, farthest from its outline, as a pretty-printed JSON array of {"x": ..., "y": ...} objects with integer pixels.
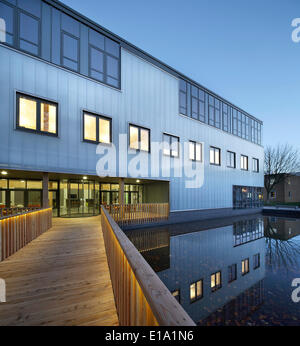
[{"x": 228, "y": 272}]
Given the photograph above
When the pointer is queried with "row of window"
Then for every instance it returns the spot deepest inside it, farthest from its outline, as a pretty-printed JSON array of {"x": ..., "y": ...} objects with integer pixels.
[
  {"x": 196, "y": 288},
  {"x": 215, "y": 159},
  {"x": 200, "y": 105},
  {"x": 41, "y": 116},
  {"x": 24, "y": 31}
]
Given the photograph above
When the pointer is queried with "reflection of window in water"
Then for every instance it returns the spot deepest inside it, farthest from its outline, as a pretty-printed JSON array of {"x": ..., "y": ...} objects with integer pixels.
[
  {"x": 247, "y": 230},
  {"x": 238, "y": 309}
]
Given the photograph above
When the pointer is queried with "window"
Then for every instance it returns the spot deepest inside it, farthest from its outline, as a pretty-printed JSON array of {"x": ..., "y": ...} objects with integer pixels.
[
  {"x": 245, "y": 266},
  {"x": 290, "y": 194},
  {"x": 226, "y": 118},
  {"x": 7, "y": 32},
  {"x": 139, "y": 138},
  {"x": 215, "y": 281},
  {"x": 195, "y": 151},
  {"x": 171, "y": 145},
  {"x": 256, "y": 261},
  {"x": 104, "y": 61},
  {"x": 29, "y": 33},
  {"x": 196, "y": 290},
  {"x": 70, "y": 51},
  {"x": 96, "y": 128},
  {"x": 255, "y": 165},
  {"x": 176, "y": 295},
  {"x": 244, "y": 162},
  {"x": 215, "y": 156},
  {"x": 37, "y": 115},
  {"x": 231, "y": 159},
  {"x": 183, "y": 97},
  {"x": 232, "y": 273}
]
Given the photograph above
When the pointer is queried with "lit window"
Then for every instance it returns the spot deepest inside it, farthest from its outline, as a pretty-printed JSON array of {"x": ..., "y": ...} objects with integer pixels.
[
  {"x": 90, "y": 127},
  {"x": 36, "y": 115},
  {"x": 255, "y": 165},
  {"x": 245, "y": 266},
  {"x": 104, "y": 130},
  {"x": 244, "y": 162},
  {"x": 215, "y": 281},
  {"x": 27, "y": 113},
  {"x": 196, "y": 290},
  {"x": 171, "y": 145},
  {"x": 215, "y": 156},
  {"x": 195, "y": 151},
  {"x": 139, "y": 138},
  {"x": 48, "y": 118},
  {"x": 96, "y": 128},
  {"x": 176, "y": 295}
]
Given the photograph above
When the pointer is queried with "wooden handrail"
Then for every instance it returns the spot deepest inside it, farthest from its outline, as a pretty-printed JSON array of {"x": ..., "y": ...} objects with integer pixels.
[
  {"x": 19, "y": 229},
  {"x": 141, "y": 297},
  {"x": 140, "y": 213}
]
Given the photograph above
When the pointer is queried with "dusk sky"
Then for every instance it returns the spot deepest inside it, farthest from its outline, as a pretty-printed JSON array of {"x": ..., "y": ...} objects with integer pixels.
[{"x": 242, "y": 50}]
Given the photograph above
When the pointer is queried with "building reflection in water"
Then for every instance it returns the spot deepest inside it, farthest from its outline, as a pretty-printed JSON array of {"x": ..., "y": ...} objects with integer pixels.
[
  {"x": 282, "y": 250},
  {"x": 154, "y": 245},
  {"x": 216, "y": 274}
]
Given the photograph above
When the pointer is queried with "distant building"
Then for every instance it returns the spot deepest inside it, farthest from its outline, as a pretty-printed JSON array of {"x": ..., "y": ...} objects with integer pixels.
[{"x": 287, "y": 191}]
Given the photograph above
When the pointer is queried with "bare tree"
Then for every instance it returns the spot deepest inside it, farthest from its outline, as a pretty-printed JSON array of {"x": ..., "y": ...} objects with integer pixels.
[{"x": 281, "y": 162}]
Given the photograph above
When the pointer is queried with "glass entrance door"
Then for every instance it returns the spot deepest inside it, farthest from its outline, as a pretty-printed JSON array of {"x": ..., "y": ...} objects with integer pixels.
[{"x": 79, "y": 198}]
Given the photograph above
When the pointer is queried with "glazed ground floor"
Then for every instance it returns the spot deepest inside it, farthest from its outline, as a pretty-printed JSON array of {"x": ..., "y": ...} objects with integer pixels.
[{"x": 72, "y": 195}]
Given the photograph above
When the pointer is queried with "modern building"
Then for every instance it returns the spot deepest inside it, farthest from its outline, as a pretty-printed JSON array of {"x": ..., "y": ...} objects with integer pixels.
[
  {"x": 69, "y": 88},
  {"x": 287, "y": 191}
]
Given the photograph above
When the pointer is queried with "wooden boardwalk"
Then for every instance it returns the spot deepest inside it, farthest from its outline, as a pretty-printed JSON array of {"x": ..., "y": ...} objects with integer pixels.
[{"x": 60, "y": 278}]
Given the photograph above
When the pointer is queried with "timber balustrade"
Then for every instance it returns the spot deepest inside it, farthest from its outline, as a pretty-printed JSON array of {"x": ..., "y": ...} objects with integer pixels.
[
  {"x": 128, "y": 214},
  {"x": 20, "y": 226},
  {"x": 141, "y": 297}
]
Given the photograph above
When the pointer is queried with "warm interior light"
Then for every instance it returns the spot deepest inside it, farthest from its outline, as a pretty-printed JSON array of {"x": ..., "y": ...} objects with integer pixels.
[
  {"x": 84, "y": 178},
  {"x": 4, "y": 173},
  {"x": 137, "y": 180}
]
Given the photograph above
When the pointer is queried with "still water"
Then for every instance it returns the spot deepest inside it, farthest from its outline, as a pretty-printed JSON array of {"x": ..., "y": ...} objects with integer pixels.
[{"x": 236, "y": 272}]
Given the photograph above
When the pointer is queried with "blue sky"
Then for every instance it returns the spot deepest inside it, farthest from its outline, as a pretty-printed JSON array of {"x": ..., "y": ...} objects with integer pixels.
[{"x": 242, "y": 50}]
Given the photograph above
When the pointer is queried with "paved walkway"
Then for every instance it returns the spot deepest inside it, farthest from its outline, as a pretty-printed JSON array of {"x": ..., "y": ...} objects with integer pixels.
[{"x": 61, "y": 278}]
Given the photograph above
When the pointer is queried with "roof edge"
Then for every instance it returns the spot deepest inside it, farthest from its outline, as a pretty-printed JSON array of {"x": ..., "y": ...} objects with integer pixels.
[{"x": 139, "y": 52}]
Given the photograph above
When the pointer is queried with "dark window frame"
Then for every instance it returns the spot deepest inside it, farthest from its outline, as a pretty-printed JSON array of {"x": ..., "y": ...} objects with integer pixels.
[
  {"x": 248, "y": 271},
  {"x": 170, "y": 144},
  {"x": 256, "y": 261},
  {"x": 247, "y": 161},
  {"x": 254, "y": 169},
  {"x": 234, "y": 155},
  {"x": 201, "y": 151},
  {"x": 139, "y": 137},
  {"x": 234, "y": 276},
  {"x": 213, "y": 163},
  {"x": 62, "y": 56},
  {"x": 197, "y": 297},
  {"x": 38, "y": 101},
  {"x": 217, "y": 287},
  {"x": 97, "y": 116}
]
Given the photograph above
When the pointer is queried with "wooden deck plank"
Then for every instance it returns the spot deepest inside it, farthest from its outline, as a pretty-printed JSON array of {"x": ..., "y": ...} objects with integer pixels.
[{"x": 60, "y": 278}]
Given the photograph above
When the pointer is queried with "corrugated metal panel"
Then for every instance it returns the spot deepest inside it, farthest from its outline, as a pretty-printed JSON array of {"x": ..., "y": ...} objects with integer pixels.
[{"x": 149, "y": 97}]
